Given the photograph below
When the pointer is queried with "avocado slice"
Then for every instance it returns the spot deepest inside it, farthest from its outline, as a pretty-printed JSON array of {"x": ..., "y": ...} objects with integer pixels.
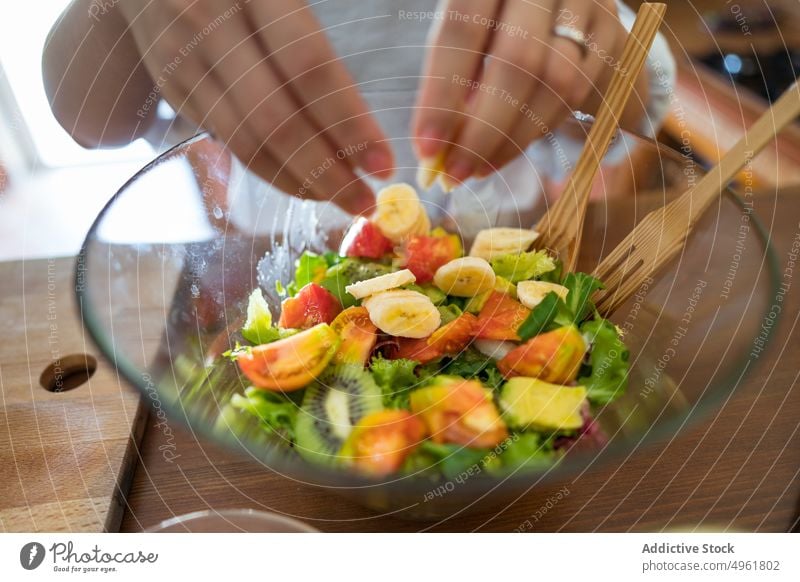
[
  {"x": 505, "y": 286},
  {"x": 476, "y": 303},
  {"x": 533, "y": 403}
]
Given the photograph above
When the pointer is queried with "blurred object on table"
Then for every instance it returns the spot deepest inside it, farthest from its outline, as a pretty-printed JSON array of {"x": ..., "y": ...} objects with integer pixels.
[
  {"x": 733, "y": 56},
  {"x": 710, "y": 113},
  {"x": 701, "y": 27}
]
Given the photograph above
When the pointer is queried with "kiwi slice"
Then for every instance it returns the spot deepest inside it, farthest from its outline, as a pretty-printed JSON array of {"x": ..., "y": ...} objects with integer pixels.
[
  {"x": 346, "y": 273},
  {"x": 331, "y": 407}
]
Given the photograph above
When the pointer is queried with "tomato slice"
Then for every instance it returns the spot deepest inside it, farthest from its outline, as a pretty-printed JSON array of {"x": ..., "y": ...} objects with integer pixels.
[
  {"x": 414, "y": 349},
  {"x": 364, "y": 240},
  {"x": 554, "y": 356},
  {"x": 448, "y": 340},
  {"x": 453, "y": 337},
  {"x": 500, "y": 317},
  {"x": 380, "y": 442},
  {"x": 312, "y": 305},
  {"x": 291, "y": 363},
  {"x": 358, "y": 336},
  {"x": 459, "y": 411},
  {"x": 423, "y": 255}
]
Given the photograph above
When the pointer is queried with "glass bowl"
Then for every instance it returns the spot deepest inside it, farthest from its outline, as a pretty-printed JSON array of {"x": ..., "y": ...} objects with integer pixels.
[
  {"x": 231, "y": 521},
  {"x": 165, "y": 271}
]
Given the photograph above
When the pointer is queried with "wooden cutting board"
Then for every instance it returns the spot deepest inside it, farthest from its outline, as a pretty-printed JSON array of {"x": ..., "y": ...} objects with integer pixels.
[{"x": 66, "y": 456}]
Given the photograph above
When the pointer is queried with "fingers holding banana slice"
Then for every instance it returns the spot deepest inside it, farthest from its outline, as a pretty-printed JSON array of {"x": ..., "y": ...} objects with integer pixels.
[
  {"x": 399, "y": 213},
  {"x": 403, "y": 313},
  {"x": 465, "y": 277},
  {"x": 430, "y": 169}
]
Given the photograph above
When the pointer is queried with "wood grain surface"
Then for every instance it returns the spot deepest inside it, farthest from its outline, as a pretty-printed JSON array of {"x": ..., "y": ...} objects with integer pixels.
[
  {"x": 738, "y": 469},
  {"x": 65, "y": 456}
]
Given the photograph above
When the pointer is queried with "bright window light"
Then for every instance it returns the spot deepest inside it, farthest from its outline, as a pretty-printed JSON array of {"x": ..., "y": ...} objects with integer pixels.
[{"x": 23, "y": 30}]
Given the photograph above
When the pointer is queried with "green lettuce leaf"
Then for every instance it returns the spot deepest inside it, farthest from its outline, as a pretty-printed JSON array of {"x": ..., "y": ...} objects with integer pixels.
[
  {"x": 450, "y": 460},
  {"x": 527, "y": 451},
  {"x": 395, "y": 379},
  {"x": 276, "y": 412},
  {"x": 581, "y": 287},
  {"x": 437, "y": 296},
  {"x": 258, "y": 327},
  {"x": 523, "y": 266},
  {"x": 472, "y": 364},
  {"x": 555, "y": 275},
  {"x": 553, "y": 312},
  {"x": 347, "y": 272},
  {"x": 550, "y": 314},
  {"x": 238, "y": 350},
  {"x": 608, "y": 359},
  {"x": 449, "y": 312},
  {"x": 309, "y": 268}
]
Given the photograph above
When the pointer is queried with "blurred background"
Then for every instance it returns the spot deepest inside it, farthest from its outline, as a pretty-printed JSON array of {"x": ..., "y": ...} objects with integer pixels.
[{"x": 733, "y": 55}]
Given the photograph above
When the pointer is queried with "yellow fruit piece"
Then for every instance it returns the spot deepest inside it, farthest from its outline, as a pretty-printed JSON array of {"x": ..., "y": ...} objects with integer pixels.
[
  {"x": 430, "y": 169},
  {"x": 554, "y": 356},
  {"x": 459, "y": 411},
  {"x": 531, "y": 293},
  {"x": 505, "y": 286},
  {"x": 533, "y": 403},
  {"x": 385, "y": 282},
  {"x": 465, "y": 277},
  {"x": 494, "y": 242},
  {"x": 291, "y": 363},
  {"x": 403, "y": 313},
  {"x": 399, "y": 212},
  {"x": 358, "y": 336}
]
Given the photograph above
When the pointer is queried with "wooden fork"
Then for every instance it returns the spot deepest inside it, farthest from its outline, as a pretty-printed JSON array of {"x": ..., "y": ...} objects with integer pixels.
[
  {"x": 560, "y": 229},
  {"x": 663, "y": 232}
]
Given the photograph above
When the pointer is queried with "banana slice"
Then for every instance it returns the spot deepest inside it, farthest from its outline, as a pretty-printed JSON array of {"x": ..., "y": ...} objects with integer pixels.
[
  {"x": 423, "y": 225},
  {"x": 399, "y": 212},
  {"x": 531, "y": 293},
  {"x": 493, "y": 242},
  {"x": 381, "y": 283},
  {"x": 403, "y": 313},
  {"x": 465, "y": 277},
  {"x": 429, "y": 170}
]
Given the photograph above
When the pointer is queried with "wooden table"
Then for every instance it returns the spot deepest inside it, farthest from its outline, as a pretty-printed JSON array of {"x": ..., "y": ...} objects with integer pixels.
[{"x": 737, "y": 470}]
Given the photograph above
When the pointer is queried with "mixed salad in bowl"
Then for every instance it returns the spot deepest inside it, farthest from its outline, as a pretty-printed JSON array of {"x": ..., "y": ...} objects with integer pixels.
[{"x": 402, "y": 353}]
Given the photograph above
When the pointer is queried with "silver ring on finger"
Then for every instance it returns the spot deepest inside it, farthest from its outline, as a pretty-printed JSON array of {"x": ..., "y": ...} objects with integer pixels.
[{"x": 575, "y": 35}]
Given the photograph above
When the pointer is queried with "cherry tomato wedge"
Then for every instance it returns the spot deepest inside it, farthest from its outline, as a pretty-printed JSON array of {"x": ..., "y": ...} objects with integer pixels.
[{"x": 312, "y": 305}]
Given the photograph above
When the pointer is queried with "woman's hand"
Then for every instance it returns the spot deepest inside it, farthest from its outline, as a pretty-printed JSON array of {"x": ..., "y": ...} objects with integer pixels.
[
  {"x": 497, "y": 77},
  {"x": 264, "y": 79}
]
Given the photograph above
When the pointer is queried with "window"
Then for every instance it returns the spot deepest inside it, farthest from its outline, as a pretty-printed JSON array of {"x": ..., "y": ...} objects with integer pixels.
[
  {"x": 23, "y": 30},
  {"x": 54, "y": 188}
]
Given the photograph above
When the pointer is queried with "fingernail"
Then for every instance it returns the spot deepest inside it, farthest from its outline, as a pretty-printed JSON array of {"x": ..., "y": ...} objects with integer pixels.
[
  {"x": 445, "y": 184},
  {"x": 378, "y": 160},
  {"x": 429, "y": 142},
  {"x": 429, "y": 169}
]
